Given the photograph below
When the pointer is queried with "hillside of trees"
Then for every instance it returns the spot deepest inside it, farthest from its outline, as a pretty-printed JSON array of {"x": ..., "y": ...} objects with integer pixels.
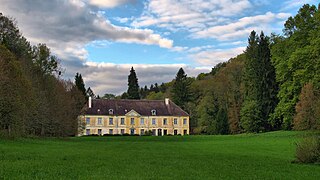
[
  {"x": 274, "y": 84},
  {"x": 34, "y": 100}
]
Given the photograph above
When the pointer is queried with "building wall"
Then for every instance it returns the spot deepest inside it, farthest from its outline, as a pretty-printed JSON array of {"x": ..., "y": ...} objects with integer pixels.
[{"x": 116, "y": 125}]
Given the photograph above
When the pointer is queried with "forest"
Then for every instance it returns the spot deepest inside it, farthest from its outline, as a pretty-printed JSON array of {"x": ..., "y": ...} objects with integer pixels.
[
  {"x": 34, "y": 100},
  {"x": 274, "y": 84}
]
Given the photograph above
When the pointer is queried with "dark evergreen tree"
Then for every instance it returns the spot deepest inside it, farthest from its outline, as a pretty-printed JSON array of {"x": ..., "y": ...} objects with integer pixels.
[
  {"x": 80, "y": 84},
  {"x": 156, "y": 87},
  {"x": 260, "y": 85},
  {"x": 133, "y": 86},
  {"x": 181, "y": 89},
  {"x": 163, "y": 87}
]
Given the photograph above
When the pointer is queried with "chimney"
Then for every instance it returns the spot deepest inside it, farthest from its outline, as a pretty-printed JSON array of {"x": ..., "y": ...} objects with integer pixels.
[
  {"x": 90, "y": 102},
  {"x": 166, "y": 100}
]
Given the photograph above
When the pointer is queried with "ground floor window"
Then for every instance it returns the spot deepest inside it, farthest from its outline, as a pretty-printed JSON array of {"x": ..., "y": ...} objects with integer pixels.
[
  {"x": 87, "y": 131},
  {"x": 185, "y": 132},
  {"x": 165, "y": 132},
  {"x": 110, "y": 131},
  {"x": 154, "y": 132},
  {"x": 122, "y": 131},
  {"x": 141, "y": 131},
  {"x": 99, "y": 131},
  {"x": 175, "y": 132},
  {"x": 159, "y": 132},
  {"x": 132, "y": 131}
]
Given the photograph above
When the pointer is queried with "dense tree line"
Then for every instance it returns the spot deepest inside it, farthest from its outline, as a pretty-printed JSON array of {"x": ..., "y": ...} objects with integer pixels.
[
  {"x": 33, "y": 99},
  {"x": 273, "y": 84}
]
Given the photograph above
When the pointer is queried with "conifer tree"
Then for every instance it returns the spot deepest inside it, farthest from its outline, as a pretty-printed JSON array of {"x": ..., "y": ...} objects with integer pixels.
[
  {"x": 80, "y": 84},
  {"x": 181, "y": 89},
  {"x": 133, "y": 86}
]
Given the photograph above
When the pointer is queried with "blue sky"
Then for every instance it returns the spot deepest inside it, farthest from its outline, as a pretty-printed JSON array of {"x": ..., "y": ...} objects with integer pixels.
[{"x": 103, "y": 39}]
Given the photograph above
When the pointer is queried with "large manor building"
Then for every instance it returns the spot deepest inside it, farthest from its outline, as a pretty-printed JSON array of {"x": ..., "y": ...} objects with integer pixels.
[{"x": 118, "y": 116}]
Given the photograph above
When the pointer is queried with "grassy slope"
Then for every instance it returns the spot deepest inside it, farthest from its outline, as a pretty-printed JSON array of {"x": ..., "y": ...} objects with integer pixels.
[{"x": 193, "y": 157}]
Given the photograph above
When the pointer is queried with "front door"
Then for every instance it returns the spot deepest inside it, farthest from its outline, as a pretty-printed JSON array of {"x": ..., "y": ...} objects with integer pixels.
[
  {"x": 159, "y": 132},
  {"x": 132, "y": 131}
]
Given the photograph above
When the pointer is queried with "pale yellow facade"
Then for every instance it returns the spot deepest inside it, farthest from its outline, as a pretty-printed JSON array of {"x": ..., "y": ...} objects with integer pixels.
[{"x": 133, "y": 123}]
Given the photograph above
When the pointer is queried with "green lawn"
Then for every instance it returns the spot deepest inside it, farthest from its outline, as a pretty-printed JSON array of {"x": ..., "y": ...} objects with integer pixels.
[{"x": 261, "y": 156}]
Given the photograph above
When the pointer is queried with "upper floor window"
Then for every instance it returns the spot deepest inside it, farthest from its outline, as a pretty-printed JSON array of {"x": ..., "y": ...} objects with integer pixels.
[
  {"x": 153, "y": 112},
  {"x": 165, "y": 121},
  {"x": 153, "y": 121},
  {"x": 110, "y": 121},
  {"x": 185, "y": 121},
  {"x": 132, "y": 121},
  {"x": 110, "y": 111},
  {"x": 175, "y": 121},
  {"x": 87, "y": 120},
  {"x": 142, "y": 121},
  {"x": 122, "y": 121},
  {"x": 99, "y": 121}
]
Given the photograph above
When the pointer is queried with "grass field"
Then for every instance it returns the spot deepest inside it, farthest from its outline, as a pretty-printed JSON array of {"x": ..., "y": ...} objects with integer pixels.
[{"x": 262, "y": 156}]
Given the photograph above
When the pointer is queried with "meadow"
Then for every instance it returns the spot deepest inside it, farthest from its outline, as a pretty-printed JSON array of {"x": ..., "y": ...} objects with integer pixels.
[{"x": 246, "y": 156}]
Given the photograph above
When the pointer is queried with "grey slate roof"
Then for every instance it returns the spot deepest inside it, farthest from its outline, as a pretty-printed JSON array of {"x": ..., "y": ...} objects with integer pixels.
[{"x": 121, "y": 107}]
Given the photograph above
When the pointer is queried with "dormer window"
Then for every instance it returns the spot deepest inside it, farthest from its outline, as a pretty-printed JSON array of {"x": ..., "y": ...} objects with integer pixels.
[
  {"x": 111, "y": 111},
  {"x": 153, "y": 112}
]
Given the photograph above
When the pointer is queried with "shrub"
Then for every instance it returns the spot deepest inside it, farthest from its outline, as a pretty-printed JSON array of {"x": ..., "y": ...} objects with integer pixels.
[
  {"x": 125, "y": 134},
  {"x": 308, "y": 150}
]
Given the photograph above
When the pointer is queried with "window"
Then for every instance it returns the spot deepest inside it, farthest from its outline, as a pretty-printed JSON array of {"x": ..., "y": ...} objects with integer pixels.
[
  {"x": 185, "y": 132},
  {"x": 184, "y": 121},
  {"x": 142, "y": 121},
  {"x": 110, "y": 131},
  {"x": 122, "y": 131},
  {"x": 153, "y": 112},
  {"x": 110, "y": 121},
  {"x": 154, "y": 132},
  {"x": 153, "y": 121},
  {"x": 165, "y": 121},
  {"x": 141, "y": 131},
  {"x": 122, "y": 121},
  {"x": 111, "y": 111},
  {"x": 175, "y": 121},
  {"x": 87, "y": 131},
  {"x": 165, "y": 132},
  {"x": 99, "y": 121},
  {"x": 99, "y": 131},
  {"x": 132, "y": 121},
  {"x": 88, "y": 121},
  {"x": 175, "y": 132},
  {"x": 132, "y": 131}
]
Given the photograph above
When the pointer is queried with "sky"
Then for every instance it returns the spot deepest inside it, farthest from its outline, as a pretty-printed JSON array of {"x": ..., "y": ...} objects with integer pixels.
[{"x": 103, "y": 39}]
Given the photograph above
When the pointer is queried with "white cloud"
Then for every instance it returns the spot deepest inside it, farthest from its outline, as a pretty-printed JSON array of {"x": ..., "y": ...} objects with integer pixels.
[
  {"x": 191, "y": 15},
  {"x": 213, "y": 57},
  {"x": 242, "y": 27},
  {"x": 296, "y": 4},
  {"x": 108, "y": 3}
]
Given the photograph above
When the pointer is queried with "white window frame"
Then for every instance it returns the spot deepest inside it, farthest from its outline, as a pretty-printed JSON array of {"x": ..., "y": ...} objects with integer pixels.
[
  {"x": 175, "y": 121},
  {"x": 99, "y": 121},
  {"x": 185, "y": 121},
  {"x": 165, "y": 121},
  {"x": 141, "y": 121},
  {"x": 100, "y": 133},
  {"x": 88, "y": 120},
  {"x": 111, "y": 120},
  {"x": 154, "y": 121},
  {"x": 131, "y": 120},
  {"x": 122, "y": 131},
  {"x": 153, "y": 112},
  {"x": 110, "y": 131},
  {"x": 122, "y": 121}
]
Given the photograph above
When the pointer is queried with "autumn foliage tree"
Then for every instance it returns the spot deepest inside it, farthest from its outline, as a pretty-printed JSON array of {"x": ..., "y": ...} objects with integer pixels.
[{"x": 307, "y": 109}]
